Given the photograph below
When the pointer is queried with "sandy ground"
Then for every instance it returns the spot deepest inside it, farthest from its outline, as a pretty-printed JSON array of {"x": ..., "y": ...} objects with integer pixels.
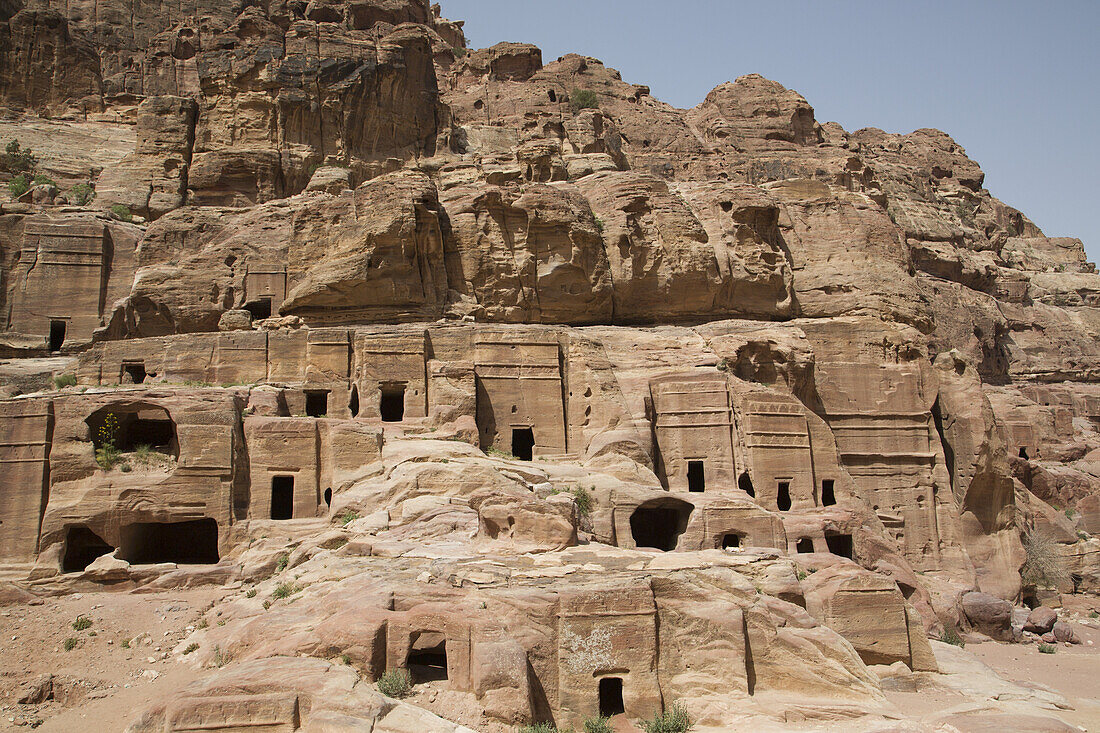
[{"x": 101, "y": 685}]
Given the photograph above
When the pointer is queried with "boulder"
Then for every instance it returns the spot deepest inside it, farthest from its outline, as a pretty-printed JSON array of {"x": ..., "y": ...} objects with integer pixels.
[{"x": 988, "y": 614}]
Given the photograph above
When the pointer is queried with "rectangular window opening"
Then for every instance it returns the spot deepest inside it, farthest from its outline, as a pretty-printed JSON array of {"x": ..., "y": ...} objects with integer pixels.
[
  {"x": 392, "y": 402},
  {"x": 828, "y": 493},
  {"x": 317, "y": 404},
  {"x": 282, "y": 497},
  {"x": 133, "y": 372},
  {"x": 731, "y": 540},
  {"x": 783, "y": 496},
  {"x": 57, "y": 335},
  {"x": 611, "y": 697},
  {"x": 260, "y": 308},
  {"x": 523, "y": 443},
  {"x": 697, "y": 480}
]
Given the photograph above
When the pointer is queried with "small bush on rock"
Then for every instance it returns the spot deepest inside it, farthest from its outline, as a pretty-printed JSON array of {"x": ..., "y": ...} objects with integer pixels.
[
  {"x": 583, "y": 99},
  {"x": 18, "y": 186},
  {"x": 18, "y": 159},
  {"x": 81, "y": 623},
  {"x": 395, "y": 683},
  {"x": 71, "y": 643},
  {"x": 1047, "y": 649},
  {"x": 81, "y": 194},
  {"x": 1044, "y": 565},
  {"x": 598, "y": 725},
  {"x": 673, "y": 720},
  {"x": 951, "y": 636},
  {"x": 64, "y": 380},
  {"x": 121, "y": 212}
]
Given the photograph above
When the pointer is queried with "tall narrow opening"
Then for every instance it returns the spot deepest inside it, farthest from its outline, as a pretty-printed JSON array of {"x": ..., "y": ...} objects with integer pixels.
[
  {"x": 611, "y": 697},
  {"x": 828, "y": 492},
  {"x": 328, "y": 497},
  {"x": 839, "y": 544},
  {"x": 659, "y": 523},
  {"x": 427, "y": 660},
  {"x": 133, "y": 372},
  {"x": 317, "y": 403},
  {"x": 745, "y": 484},
  {"x": 353, "y": 401},
  {"x": 805, "y": 546},
  {"x": 697, "y": 482},
  {"x": 282, "y": 497},
  {"x": 1023, "y": 453},
  {"x": 731, "y": 540},
  {"x": 57, "y": 335},
  {"x": 392, "y": 402},
  {"x": 185, "y": 543},
  {"x": 523, "y": 443},
  {"x": 260, "y": 309},
  {"x": 783, "y": 496},
  {"x": 82, "y": 547}
]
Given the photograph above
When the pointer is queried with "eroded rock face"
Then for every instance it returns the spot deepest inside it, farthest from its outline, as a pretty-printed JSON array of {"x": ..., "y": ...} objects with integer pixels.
[{"x": 507, "y": 374}]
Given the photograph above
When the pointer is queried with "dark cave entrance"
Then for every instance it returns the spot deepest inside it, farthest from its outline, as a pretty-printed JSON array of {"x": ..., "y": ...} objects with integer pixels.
[
  {"x": 128, "y": 426},
  {"x": 523, "y": 443},
  {"x": 133, "y": 372},
  {"x": 730, "y": 541},
  {"x": 839, "y": 544},
  {"x": 745, "y": 484},
  {"x": 185, "y": 543},
  {"x": 260, "y": 309},
  {"x": 611, "y": 697},
  {"x": 783, "y": 496},
  {"x": 828, "y": 492},
  {"x": 57, "y": 335},
  {"x": 82, "y": 547},
  {"x": 282, "y": 497},
  {"x": 317, "y": 403},
  {"x": 804, "y": 546},
  {"x": 392, "y": 402},
  {"x": 427, "y": 660},
  {"x": 697, "y": 480},
  {"x": 659, "y": 523}
]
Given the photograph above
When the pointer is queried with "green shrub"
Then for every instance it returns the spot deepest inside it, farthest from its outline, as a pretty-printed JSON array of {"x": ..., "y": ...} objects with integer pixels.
[
  {"x": 71, "y": 643},
  {"x": 1070, "y": 513},
  {"x": 538, "y": 728},
  {"x": 583, "y": 99},
  {"x": 599, "y": 225},
  {"x": 345, "y": 660},
  {"x": 41, "y": 179},
  {"x": 598, "y": 725},
  {"x": 347, "y": 516},
  {"x": 395, "y": 683},
  {"x": 951, "y": 636},
  {"x": 107, "y": 456},
  {"x": 18, "y": 186},
  {"x": 18, "y": 159},
  {"x": 82, "y": 622},
  {"x": 122, "y": 212},
  {"x": 583, "y": 500},
  {"x": 191, "y": 647},
  {"x": 285, "y": 590},
  {"x": 81, "y": 194},
  {"x": 202, "y": 624},
  {"x": 64, "y": 380},
  {"x": 220, "y": 658},
  {"x": 1044, "y": 565},
  {"x": 673, "y": 720},
  {"x": 282, "y": 562},
  {"x": 1047, "y": 649},
  {"x": 1094, "y": 614},
  {"x": 125, "y": 644},
  {"x": 251, "y": 593}
]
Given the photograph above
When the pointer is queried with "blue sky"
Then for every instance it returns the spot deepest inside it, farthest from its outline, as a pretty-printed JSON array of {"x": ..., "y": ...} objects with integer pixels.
[{"x": 1015, "y": 83}]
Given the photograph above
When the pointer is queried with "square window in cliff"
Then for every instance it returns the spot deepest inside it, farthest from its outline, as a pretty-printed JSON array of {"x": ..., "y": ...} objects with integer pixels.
[
  {"x": 282, "y": 497},
  {"x": 427, "y": 661},
  {"x": 839, "y": 544},
  {"x": 133, "y": 372},
  {"x": 731, "y": 540},
  {"x": 783, "y": 496},
  {"x": 317, "y": 403},
  {"x": 697, "y": 480},
  {"x": 611, "y": 697},
  {"x": 391, "y": 403},
  {"x": 186, "y": 543},
  {"x": 523, "y": 443},
  {"x": 804, "y": 546},
  {"x": 57, "y": 334},
  {"x": 828, "y": 492},
  {"x": 658, "y": 523}
]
